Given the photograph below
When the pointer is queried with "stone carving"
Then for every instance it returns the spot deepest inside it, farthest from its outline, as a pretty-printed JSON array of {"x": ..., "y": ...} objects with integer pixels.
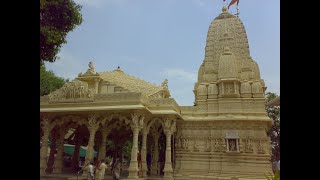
[
  {"x": 75, "y": 89},
  {"x": 202, "y": 90},
  {"x": 232, "y": 135},
  {"x": 195, "y": 145},
  {"x": 129, "y": 96},
  {"x": 178, "y": 143},
  {"x": 91, "y": 67},
  {"x": 164, "y": 84},
  {"x": 219, "y": 145},
  {"x": 169, "y": 125},
  {"x": 208, "y": 145},
  {"x": 261, "y": 147},
  {"x": 245, "y": 87},
  {"x": 248, "y": 145},
  {"x": 257, "y": 87},
  {"x": 212, "y": 91},
  {"x": 46, "y": 124},
  {"x": 137, "y": 121},
  {"x": 227, "y": 65},
  {"x": 229, "y": 89},
  {"x": 93, "y": 122},
  {"x": 185, "y": 144}
]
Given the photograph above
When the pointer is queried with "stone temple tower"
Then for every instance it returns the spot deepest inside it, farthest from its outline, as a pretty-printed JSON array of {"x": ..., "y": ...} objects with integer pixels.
[
  {"x": 224, "y": 134},
  {"x": 228, "y": 71}
]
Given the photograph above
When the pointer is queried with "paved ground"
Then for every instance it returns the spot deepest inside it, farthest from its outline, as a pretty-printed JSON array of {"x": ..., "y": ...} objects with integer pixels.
[{"x": 64, "y": 177}]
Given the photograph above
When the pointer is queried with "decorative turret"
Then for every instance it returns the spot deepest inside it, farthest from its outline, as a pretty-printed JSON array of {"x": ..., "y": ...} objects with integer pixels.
[{"x": 91, "y": 77}]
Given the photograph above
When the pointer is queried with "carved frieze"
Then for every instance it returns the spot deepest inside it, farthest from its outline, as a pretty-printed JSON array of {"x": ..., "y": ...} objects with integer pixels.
[
  {"x": 261, "y": 149},
  {"x": 248, "y": 145},
  {"x": 75, "y": 90}
]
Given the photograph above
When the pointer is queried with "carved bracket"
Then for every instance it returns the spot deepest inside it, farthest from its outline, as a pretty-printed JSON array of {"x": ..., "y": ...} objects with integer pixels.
[
  {"x": 137, "y": 121},
  {"x": 168, "y": 125}
]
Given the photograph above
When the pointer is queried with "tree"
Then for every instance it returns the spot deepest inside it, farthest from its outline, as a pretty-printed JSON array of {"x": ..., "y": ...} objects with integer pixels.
[
  {"x": 274, "y": 131},
  {"x": 57, "y": 19},
  {"x": 49, "y": 81}
]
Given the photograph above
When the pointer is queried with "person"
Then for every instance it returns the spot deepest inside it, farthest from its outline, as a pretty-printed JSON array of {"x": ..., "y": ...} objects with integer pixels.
[
  {"x": 102, "y": 168},
  {"x": 278, "y": 166},
  {"x": 90, "y": 175},
  {"x": 116, "y": 170},
  {"x": 97, "y": 170}
]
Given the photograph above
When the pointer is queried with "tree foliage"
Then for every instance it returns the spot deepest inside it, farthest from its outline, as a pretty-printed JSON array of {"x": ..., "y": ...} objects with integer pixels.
[
  {"x": 274, "y": 131},
  {"x": 49, "y": 81},
  {"x": 57, "y": 19}
]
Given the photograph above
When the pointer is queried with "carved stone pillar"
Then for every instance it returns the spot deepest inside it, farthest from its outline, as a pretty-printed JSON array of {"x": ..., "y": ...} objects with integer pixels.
[
  {"x": 58, "y": 163},
  {"x": 103, "y": 148},
  {"x": 44, "y": 148},
  {"x": 97, "y": 85},
  {"x": 155, "y": 157},
  {"x": 93, "y": 126},
  {"x": 136, "y": 126},
  {"x": 144, "y": 152},
  {"x": 53, "y": 148},
  {"x": 169, "y": 128}
]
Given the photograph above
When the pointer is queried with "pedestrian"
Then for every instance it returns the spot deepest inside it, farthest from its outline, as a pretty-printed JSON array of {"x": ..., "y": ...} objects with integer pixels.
[
  {"x": 278, "y": 166},
  {"x": 116, "y": 170},
  {"x": 90, "y": 175},
  {"x": 97, "y": 170},
  {"x": 102, "y": 168}
]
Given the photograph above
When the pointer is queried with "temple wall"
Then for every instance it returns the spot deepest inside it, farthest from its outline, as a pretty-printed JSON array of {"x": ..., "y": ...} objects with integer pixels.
[{"x": 202, "y": 149}]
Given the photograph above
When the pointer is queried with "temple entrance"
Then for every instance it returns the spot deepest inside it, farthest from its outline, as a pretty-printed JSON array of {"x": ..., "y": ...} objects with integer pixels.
[{"x": 140, "y": 147}]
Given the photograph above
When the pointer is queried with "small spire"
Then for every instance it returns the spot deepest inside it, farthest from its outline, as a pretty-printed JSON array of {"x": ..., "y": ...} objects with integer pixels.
[{"x": 224, "y": 8}]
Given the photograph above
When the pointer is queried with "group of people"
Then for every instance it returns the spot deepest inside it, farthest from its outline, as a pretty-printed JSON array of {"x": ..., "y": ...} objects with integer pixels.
[{"x": 97, "y": 172}]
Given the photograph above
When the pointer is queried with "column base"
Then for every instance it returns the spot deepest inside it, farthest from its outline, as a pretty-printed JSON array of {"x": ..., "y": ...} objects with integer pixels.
[
  {"x": 167, "y": 177},
  {"x": 57, "y": 170},
  {"x": 133, "y": 170},
  {"x": 168, "y": 171},
  {"x": 42, "y": 171},
  {"x": 143, "y": 170}
]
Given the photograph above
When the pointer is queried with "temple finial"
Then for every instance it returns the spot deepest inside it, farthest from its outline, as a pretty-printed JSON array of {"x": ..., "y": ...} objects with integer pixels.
[{"x": 224, "y": 8}]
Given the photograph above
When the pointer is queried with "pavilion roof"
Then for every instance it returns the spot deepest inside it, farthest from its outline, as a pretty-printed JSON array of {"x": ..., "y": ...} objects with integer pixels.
[{"x": 131, "y": 83}]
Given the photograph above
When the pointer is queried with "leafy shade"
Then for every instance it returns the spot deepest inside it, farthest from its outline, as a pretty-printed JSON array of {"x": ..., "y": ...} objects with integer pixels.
[
  {"x": 274, "y": 131},
  {"x": 57, "y": 18},
  {"x": 275, "y": 177},
  {"x": 49, "y": 81}
]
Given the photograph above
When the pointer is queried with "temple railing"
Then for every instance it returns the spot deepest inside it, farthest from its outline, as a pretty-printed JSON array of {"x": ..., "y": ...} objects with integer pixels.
[
  {"x": 112, "y": 97},
  {"x": 163, "y": 103}
]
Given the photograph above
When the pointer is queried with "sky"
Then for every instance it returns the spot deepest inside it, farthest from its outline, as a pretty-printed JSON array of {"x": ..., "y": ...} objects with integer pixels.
[{"x": 165, "y": 39}]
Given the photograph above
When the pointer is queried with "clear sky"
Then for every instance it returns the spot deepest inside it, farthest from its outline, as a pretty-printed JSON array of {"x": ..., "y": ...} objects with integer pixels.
[{"x": 165, "y": 39}]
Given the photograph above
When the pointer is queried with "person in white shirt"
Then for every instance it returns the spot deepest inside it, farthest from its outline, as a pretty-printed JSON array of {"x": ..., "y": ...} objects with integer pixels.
[
  {"x": 90, "y": 171},
  {"x": 278, "y": 166},
  {"x": 102, "y": 168}
]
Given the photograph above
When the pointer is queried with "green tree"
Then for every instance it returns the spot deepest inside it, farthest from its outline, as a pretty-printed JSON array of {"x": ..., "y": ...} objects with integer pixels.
[
  {"x": 274, "y": 131},
  {"x": 49, "y": 81},
  {"x": 57, "y": 19}
]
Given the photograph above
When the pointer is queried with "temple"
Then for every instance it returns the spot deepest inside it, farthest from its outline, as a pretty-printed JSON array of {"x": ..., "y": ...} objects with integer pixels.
[{"x": 222, "y": 136}]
